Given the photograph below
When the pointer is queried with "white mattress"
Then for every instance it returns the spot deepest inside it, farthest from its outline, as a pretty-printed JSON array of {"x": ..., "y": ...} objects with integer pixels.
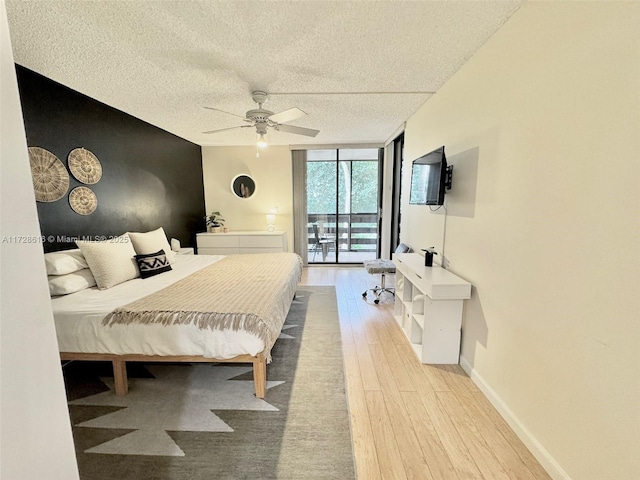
[{"x": 78, "y": 319}]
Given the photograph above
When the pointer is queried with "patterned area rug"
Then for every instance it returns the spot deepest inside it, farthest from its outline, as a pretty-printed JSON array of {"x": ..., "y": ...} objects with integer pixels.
[{"x": 202, "y": 421}]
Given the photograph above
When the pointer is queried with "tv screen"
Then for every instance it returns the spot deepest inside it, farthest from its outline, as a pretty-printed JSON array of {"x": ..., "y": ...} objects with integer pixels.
[{"x": 428, "y": 177}]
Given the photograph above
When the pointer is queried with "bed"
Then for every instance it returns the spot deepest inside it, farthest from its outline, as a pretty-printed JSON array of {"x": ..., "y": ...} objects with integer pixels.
[{"x": 207, "y": 308}]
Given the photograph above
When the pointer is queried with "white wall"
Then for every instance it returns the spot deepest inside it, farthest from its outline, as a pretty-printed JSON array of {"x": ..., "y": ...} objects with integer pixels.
[
  {"x": 35, "y": 438},
  {"x": 272, "y": 175},
  {"x": 543, "y": 127}
]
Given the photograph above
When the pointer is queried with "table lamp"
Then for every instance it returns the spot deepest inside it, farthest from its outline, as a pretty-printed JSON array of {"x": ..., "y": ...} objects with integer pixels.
[{"x": 271, "y": 222}]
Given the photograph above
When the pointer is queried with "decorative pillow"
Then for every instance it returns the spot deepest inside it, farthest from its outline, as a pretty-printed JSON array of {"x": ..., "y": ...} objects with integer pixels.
[
  {"x": 151, "y": 264},
  {"x": 71, "y": 282},
  {"x": 151, "y": 242},
  {"x": 64, "y": 262},
  {"x": 111, "y": 261}
]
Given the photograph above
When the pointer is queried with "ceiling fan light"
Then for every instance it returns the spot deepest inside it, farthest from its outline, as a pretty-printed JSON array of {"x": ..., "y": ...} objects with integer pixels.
[{"x": 261, "y": 141}]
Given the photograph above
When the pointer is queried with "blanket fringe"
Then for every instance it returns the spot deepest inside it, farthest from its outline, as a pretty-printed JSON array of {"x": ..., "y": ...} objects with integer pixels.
[{"x": 248, "y": 322}]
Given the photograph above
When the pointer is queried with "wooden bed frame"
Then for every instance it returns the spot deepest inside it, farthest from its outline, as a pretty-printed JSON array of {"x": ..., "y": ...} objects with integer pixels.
[{"x": 119, "y": 362}]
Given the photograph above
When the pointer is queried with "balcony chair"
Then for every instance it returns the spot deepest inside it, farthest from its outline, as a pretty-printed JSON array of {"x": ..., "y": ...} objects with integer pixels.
[
  {"x": 322, "y": 242},
  {"x": 382, "y": 267}
]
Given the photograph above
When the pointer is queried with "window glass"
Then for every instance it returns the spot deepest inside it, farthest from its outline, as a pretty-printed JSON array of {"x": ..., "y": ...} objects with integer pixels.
[
  {"x": 321, "y": 187},
  {"x": 364, "y": 198}
]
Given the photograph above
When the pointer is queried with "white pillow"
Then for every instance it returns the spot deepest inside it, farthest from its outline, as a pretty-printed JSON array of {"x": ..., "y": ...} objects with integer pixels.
[
  {"x": 151, "y": 242},
  {"x": 111, "y": 261},
  {"x": 64, "y": 262},
  {"x": 71, "y": 282}
]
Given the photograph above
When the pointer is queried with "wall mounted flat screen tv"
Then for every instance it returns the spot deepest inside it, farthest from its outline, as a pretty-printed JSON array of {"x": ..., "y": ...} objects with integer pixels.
[{"x": 429, "y": 179}]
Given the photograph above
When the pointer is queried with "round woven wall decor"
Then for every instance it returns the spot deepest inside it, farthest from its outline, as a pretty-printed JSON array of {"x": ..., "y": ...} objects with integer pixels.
[
  {"x": 85, "y": 166},
  {"x": 49, "y": 175},
  {"x": 83, "y": 200}
]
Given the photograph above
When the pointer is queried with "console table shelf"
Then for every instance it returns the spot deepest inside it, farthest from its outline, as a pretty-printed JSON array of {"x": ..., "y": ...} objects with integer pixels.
[{"x": 428, "y": 308}]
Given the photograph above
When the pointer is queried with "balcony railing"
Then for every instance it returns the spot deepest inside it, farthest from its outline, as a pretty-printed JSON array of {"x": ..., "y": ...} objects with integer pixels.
[{"x": 354, "y": 232}]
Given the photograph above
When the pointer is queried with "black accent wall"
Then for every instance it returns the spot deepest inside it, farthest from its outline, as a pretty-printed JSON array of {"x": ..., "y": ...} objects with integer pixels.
[{"x": 150, "y": 178}]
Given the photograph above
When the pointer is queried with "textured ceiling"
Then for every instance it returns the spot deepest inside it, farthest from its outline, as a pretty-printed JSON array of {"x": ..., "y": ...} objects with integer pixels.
[{"x": 359, "y": 69}]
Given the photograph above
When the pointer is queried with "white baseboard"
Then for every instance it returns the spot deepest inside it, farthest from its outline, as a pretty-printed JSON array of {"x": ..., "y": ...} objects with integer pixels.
[{"x": 535, "y": 447}]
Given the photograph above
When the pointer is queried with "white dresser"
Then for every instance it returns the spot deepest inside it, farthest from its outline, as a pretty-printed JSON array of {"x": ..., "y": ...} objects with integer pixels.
[{"x": 241, "y": 242}]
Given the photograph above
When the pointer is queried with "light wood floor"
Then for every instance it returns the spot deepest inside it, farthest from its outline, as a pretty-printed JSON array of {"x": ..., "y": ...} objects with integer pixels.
[{"x": 408, "y": 420}]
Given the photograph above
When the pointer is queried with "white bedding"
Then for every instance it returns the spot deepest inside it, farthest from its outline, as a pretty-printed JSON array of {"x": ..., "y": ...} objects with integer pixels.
[{"x": 78, "y": 318}]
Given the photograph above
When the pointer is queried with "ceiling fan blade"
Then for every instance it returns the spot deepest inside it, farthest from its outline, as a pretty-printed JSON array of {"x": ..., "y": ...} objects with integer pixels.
[
  {"x": 297, "y": 130},
  {"x": 287, "y": 115},
  {"x": 230, "y": 128},
  {"x": 228, "y": 113}
]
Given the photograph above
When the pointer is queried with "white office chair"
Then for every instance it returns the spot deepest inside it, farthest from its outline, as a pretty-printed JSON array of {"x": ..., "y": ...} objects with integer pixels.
[{"x": 382, "y": 267}]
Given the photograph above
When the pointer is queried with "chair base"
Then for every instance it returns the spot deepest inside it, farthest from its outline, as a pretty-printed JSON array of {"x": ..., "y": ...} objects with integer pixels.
[{"x": 379, "y": 291}]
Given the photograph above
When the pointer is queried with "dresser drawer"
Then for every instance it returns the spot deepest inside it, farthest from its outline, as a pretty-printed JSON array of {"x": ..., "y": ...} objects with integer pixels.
[
  {"x": 218, "y": 240},
  {"x": 241, "y": 242},
  {"x": 262, "y": 241},
  {"x": 261, "y": 250},
  {"x": 217, "y": 251}
]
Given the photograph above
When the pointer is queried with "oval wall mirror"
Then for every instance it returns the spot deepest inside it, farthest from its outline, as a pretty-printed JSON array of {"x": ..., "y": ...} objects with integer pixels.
[{"x": 243, "y": 186}]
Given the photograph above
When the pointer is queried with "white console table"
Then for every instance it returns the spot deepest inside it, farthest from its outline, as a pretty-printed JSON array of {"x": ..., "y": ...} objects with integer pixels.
[
  {"x": 429, "y": 308},
  {"x": 241, "y": 242}
]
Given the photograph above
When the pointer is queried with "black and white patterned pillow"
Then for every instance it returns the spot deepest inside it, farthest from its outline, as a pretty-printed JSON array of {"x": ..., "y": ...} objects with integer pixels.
[{"x": 151, "y": 264}]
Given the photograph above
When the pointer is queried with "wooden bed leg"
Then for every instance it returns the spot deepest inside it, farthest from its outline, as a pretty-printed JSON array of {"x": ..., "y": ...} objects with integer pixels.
[
  {"x": 260, "y": 375},
  {"x": 120, "y": 377}
]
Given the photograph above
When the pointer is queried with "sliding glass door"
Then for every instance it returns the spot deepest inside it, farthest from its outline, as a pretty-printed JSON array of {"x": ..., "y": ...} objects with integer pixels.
[{"x": 343, "y": 198}]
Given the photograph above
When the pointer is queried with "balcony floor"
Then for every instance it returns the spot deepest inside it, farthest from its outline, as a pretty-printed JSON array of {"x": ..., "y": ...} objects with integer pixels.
[{"x": 344, "y": 257}]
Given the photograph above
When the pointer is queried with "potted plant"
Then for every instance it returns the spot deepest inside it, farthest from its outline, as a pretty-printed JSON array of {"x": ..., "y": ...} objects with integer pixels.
[{"x": 214, "y": 221}]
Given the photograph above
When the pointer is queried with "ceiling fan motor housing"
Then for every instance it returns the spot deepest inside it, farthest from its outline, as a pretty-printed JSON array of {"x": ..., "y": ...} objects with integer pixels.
[{"x": 259, "y": 114}]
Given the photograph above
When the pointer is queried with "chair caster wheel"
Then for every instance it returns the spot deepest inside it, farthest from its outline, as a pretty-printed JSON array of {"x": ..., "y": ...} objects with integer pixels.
[
  {"x": 364, "y": 295},
  {"x": 376, "y": 301}
]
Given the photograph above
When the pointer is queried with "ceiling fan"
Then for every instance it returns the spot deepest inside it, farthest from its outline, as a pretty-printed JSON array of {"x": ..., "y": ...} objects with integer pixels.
[{"x": 261, "y": 119}]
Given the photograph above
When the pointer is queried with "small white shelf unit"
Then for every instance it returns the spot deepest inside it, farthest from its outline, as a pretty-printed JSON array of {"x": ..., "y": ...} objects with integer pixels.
[{"x": 428, "y": 308}]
